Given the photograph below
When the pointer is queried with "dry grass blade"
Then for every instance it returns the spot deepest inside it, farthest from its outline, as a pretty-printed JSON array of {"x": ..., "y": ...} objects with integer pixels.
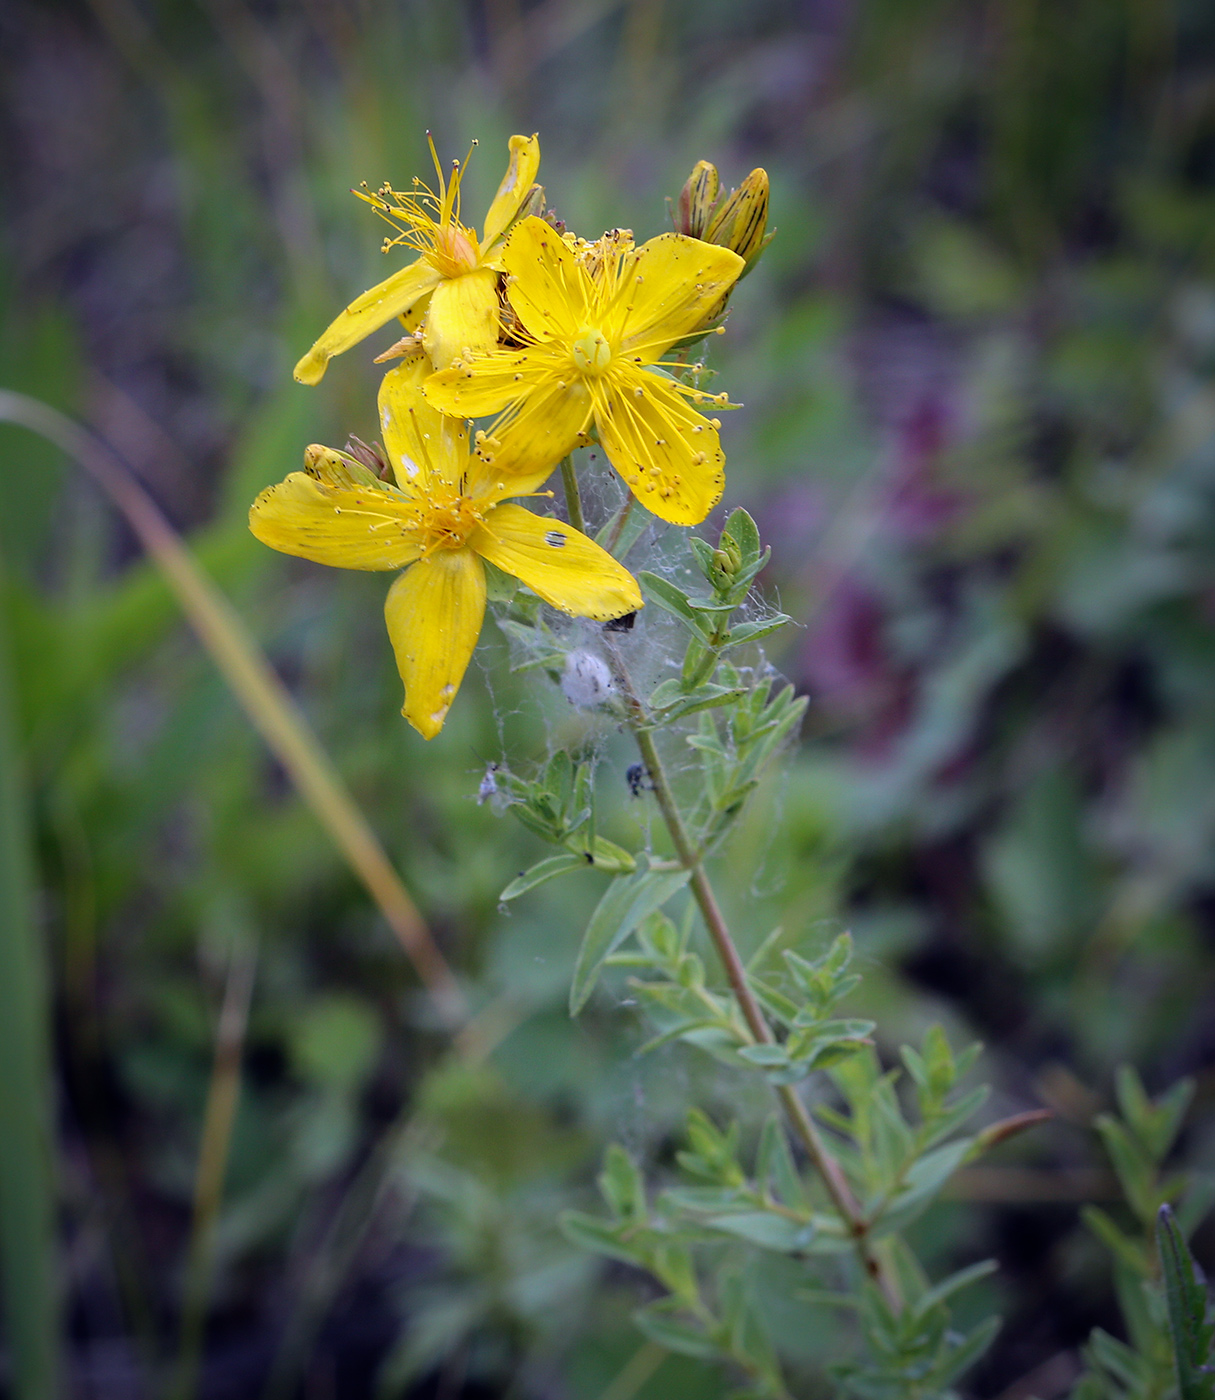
[
  {"x": 260, "y": 692},
  {"x": 223, "y": 1097}
]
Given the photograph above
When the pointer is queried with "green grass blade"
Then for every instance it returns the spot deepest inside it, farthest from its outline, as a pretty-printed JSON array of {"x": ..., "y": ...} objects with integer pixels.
[
  {"x": 27, "y": 1194},
  {"x": 1187, "y": 1301}
]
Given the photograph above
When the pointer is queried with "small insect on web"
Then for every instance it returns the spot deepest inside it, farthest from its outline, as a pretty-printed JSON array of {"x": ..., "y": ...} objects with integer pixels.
[
  {"x": 489, "y": 784},
  {"x": 638, "y": 779}
]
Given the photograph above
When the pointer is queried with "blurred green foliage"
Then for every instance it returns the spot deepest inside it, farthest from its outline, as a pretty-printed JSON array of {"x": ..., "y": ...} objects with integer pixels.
[{"x": 980, "y": 434}]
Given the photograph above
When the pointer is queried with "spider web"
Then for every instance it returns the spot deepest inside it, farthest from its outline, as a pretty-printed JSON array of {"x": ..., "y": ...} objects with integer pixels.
[{"x": 652, "y": 651}]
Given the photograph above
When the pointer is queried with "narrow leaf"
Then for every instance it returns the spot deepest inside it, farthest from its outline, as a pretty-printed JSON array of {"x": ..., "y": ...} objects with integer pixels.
[
  {"x": 27, "y": 1205},
  {"x": 626, "y": 901},
  {"x": 1187, "y": 1303},
  {"x": 600, "y": 1237},
  {"x": 547, "y": 869},
  {"x": 766, "y": 1229},
  {"x": 673, "y": 600},
  {"x": 685, "y": 1338},
  {"x": 963, "y": 1357}
]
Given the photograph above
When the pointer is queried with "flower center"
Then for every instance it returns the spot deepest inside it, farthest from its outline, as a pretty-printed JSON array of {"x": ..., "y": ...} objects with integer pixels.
[
  {"x": 448, "y": 523},
  {"x": 453, "y": 251},
  {"x": 592, "y": 354}
]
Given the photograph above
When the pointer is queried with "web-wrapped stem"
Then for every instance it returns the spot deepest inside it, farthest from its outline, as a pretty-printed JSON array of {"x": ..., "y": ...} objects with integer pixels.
[{"x": 830, "y": 1171}]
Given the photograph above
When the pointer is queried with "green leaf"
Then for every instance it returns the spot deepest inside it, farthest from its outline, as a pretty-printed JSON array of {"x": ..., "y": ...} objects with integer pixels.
[
  {"x": 774, "y": 1166},
  {"x": 962, "y": 1357},
  {"x": 955, "y": 1283},
  {"x": 547, "y": 869},
  {"x": 1116, "y": 1358},
  {"x": 766, "y": 1056},
  {"x": 661, "y": 1322},
  {"x": 27, "y": 1173},
  {"x": 602, "y": 1237},
  {"x": 1135, "y": 1169},
  {"x": 666, "y": 693},
  {"x": 766, "y": 1229},
  {"x": 923, "y": 1180},
  {"x": 713, "y": 1200},
  {"x": 622, "y": 1185},
  {"x": 1155, "y": 1125},
  {"x": 671, "y": 1264},
  {"x": 673, "y": 600},
  {"x": 704, "y": 697},
  {"x": 742, "y": 529},
  {"x": 1124, "y": 1249},
  {"x": 705, "y": 555},
  {"x": 753, "y": 631},
  {"x": 1192, "y": 1333},
  {"x": 954, "y": 1115},
  {"x": 626, "y": 901},
  {"x": 606, "y": 855},
  {"x": 685, "y": 1028}
]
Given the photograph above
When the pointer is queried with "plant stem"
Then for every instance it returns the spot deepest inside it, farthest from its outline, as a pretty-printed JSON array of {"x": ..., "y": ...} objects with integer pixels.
[
  {"x": 573, "y": 497},
  {"x": 829, "y": 1169},
  {"x": 618, "y": 528}
]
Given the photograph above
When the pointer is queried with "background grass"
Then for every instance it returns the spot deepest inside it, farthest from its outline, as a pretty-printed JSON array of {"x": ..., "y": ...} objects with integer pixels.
[{"x": 980, "y": 435}]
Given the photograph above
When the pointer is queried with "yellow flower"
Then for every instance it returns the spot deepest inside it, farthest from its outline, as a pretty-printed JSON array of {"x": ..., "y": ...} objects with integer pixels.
[
  {"x": 445, "y": 513},
  {"x": 592, "y": 354},
  {"x": 456, "y": 269}
]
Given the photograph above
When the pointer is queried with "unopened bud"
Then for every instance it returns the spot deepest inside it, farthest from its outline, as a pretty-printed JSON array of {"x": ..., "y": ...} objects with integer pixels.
[
  {"x": 405, "y": 348},
  {"x": 741, "y": 223},
  {"x": 370, "y": 455},
  {"x": 696, "y": 200},
  {"x": 533, "y": 204},
  {"x": 999, "y": 1132},
  {"x": 727, "y": 560}
]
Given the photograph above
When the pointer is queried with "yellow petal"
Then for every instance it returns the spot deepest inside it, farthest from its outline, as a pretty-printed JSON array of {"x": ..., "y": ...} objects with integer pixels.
[
  {"x": 489, "y": 382},
  {"x": 519, "y": 177},
  {"x": 375, "y": 308},
  {"x": 434, "y": 613},
  {"x": 463, "y": 317},
  {"x": 559, "y": 563},
  {"x": 346, "y": 526},
  {"x": 675, "y": 283},
  {"x": 669, "y": 454},
  {"x": 546, "y": 284},
  {"x": 528, "y": 441},
  {"x": 423, "y": 445}
]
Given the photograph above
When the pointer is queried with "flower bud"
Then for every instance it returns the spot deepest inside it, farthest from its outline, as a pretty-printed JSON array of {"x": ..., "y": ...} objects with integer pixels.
[
  {"x": 742, "y": 221},
  {"x": 727, "y": 560},
  {"x": 696, "y": 200},
  {"x": 533, "y": 204}
]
